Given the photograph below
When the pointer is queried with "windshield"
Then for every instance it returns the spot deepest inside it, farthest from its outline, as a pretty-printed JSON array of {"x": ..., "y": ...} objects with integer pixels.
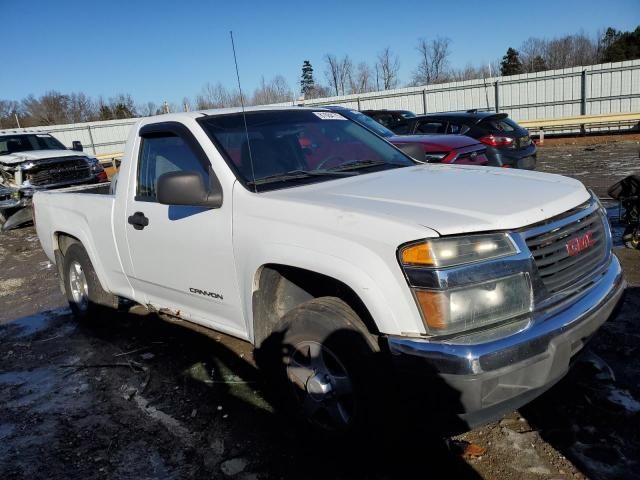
[
  {"x": 298, "y": 146},
  {"x": 26, "y": 143},
  {"x": 368, "y": 122}
]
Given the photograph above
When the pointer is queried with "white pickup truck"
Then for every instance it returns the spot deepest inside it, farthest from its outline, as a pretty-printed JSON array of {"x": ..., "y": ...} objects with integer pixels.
[{"x": 299, "y": 228}]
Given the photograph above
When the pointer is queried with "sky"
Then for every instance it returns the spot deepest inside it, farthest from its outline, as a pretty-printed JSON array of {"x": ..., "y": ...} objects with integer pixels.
[{"x": 165, "y": 50}]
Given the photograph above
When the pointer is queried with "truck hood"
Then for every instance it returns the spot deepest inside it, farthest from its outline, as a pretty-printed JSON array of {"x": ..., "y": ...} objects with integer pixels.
[
  {"x": 35, "y": 155},
  {"x": 450, "y": 199},
  {"x": 441, "y": 143}
]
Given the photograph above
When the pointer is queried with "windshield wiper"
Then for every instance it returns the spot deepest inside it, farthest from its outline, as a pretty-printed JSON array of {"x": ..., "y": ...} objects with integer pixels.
[
  {"x": 298, "y": 174},
  {"x": 356, "y": 164}
]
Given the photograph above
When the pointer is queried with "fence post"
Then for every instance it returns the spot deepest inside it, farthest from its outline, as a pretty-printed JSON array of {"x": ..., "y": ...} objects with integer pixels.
[
  {"x": 424, "y": 101},
  {"x": 358, "y": 100},
  {"x": 496, "y": 87},
  {"x": 583, "y": 93},
  {"x": 583, "y": 97},
  {"x": 93, "y": 144}
]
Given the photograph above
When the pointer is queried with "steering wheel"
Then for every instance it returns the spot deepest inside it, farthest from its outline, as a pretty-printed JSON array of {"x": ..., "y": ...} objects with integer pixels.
[{"x": 328, "y": 160}]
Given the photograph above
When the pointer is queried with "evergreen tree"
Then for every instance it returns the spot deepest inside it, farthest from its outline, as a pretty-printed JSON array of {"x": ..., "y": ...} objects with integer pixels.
[
  {"x": 511, "y": 64},
  {"x": 307, "y": 84},
  {"x": 620, "y": 46}
]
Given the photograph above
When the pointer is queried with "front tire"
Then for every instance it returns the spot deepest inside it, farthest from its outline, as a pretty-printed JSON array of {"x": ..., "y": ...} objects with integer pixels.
[
  {"x": 327, "y": 367},
  {"x": 87, "y": 299}
]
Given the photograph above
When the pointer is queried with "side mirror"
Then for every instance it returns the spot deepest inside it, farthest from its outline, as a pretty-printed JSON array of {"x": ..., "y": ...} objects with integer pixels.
[
  {"x": 414, "y": 150},
  {"x": 189, "y": 189},
  {"x": 76, "y": 146}
]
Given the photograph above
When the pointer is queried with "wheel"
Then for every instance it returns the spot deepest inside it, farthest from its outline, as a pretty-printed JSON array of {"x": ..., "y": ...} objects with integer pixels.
[
  {"x": 86, "y": 297},
  {"x": 327, "y": 367},
  {"x": 3, "y": 219},
  {"x": 631, "y": 237}
]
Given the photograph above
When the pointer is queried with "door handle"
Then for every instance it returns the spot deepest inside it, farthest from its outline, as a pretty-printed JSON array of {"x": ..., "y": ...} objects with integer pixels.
[{"x": 138, "y": 220}]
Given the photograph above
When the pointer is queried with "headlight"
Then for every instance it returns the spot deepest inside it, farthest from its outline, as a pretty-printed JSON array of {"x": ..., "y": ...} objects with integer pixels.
[
  {"x": 96, "y": 166},
  {"x": 434, "y": 157},
  {"x": 447, "y": 252},
  {"x": 596, "y": 200},
  {"x": 453, "y": 311}
]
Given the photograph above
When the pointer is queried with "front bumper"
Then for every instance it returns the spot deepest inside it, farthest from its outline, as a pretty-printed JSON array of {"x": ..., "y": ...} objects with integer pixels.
[{"x": 478, "y": 383}]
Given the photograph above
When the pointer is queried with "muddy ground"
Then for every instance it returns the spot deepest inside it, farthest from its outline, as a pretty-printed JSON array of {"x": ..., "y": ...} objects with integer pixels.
[
  {"x": 135, "y": 397},
  {"x": 597, "y": 165}
]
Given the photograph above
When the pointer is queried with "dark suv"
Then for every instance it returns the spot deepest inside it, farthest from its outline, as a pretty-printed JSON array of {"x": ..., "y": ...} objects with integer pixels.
[{"x": 508, "y": 144}]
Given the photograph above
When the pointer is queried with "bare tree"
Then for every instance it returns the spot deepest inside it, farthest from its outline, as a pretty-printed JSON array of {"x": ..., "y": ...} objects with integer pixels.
[
  {"x": 387, "y": 68},
  {"x": 275, "y": 91},
  {"x": 80, "y": 108},
  {"x": 148, "y": 109},
  {"x": 360, "y": 80},
  {"x": 9, "y": 109},
  {"x": 213, "y": 96},
  {"x": 49, "y": 109},
  {"x": 338, "y": 73},
  {"x": 434, "y": 61},
  {"x": 532, "y": 51}
]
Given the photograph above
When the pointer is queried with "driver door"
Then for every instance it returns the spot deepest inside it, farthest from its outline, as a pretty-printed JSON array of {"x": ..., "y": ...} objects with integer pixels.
[{"x": 181, "y": 258}]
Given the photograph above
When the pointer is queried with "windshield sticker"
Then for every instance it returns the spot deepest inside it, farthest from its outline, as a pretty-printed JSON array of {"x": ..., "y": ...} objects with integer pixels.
[
  {"x": 329, "y": 116},
  {"x": 43, "y": 135}
]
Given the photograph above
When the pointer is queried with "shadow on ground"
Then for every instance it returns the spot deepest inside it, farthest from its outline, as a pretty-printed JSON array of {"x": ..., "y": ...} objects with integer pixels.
[
  {"x": 137, "y": 397},
  {"x": 592, "y": 416}
]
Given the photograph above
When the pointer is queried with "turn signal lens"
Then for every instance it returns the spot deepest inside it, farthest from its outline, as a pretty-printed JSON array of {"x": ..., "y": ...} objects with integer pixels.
[
  {"x": 417, "y": 254},
  {"x": 449, "y": 251}
]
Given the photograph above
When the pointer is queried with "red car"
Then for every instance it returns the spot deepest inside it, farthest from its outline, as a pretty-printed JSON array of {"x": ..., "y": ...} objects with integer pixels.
[{"x": 457, "y": 149}]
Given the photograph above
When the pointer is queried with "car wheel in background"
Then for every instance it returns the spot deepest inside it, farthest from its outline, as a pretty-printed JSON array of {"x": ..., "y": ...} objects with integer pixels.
[{"x": 631, "y": 237}]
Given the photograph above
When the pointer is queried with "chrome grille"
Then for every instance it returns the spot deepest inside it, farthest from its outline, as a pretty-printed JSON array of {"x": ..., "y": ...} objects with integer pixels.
[
  {"x": 59, "y": 172},
  {"x": 558, "y": 269}
]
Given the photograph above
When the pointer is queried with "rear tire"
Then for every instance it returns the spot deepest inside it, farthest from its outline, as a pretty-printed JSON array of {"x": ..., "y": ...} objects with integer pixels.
[
  {"x": 87, "y": 299},
  {"x": 631, "y": 237},
  {"x": 326, "y": 368}
]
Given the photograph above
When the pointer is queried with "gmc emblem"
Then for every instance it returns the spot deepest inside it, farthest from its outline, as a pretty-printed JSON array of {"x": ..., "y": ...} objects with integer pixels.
[{"x": 578, "y": 244}]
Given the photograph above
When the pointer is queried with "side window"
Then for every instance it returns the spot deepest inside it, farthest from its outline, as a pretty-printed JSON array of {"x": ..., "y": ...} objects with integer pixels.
[
  {"x": 431, "y": 127},
  {"x": 161, "y": 154}
]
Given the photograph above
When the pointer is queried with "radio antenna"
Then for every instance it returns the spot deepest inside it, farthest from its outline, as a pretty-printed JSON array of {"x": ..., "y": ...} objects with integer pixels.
[{"x": 244, "y": 115}]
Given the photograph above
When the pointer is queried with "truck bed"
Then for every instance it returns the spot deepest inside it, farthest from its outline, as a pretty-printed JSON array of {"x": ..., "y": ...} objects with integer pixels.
[{"x": 84, "y": 212}]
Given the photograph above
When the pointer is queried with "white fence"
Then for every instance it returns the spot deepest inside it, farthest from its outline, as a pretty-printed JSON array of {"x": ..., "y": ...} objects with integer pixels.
[
  {"x": 590, "y": 90},
  {"x": 594, "y": 89}
]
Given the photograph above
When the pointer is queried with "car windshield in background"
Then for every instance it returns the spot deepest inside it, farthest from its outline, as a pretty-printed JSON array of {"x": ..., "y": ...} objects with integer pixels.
[
  {"x": 25, "y": 143},
  {"x": 368, "y": 122},
  {"x": 292, "y": 147}
]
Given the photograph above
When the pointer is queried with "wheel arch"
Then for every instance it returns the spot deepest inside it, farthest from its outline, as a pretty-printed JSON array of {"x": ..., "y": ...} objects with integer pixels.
[
  {"x": 61, "y": 243},
  {"x": 278, "y": 288}
]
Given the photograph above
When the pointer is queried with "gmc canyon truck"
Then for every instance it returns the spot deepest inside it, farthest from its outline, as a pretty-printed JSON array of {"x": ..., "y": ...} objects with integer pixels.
[
  {"x": 343, "y": 257},
  {"x": 32, "y": 161}
]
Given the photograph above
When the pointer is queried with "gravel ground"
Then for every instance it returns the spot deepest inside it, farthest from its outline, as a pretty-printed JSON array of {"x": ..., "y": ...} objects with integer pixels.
[{"x": 136, "y": 397}]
